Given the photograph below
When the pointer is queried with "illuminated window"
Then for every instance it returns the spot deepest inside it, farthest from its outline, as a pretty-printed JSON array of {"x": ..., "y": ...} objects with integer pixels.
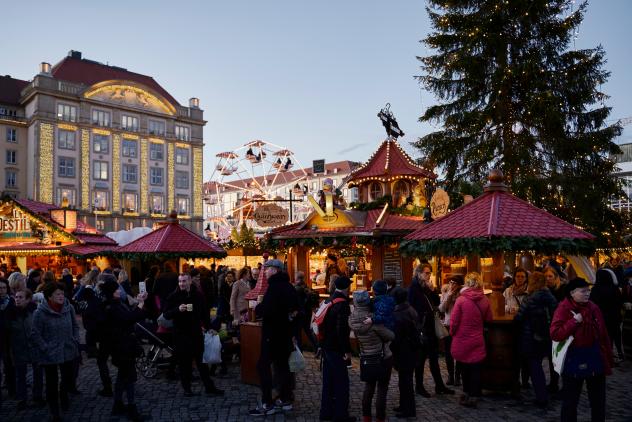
[
  {"x": 100, "y": 118},
  {"x": 129, "y": 173},
  {"x": 182, "y": 180},
  {"x": 157, "y": 203},
  {"x": 66, "y": 167},
  {"x": 12, "y": 134},
  {"x": 129, "y": 123},
  {"x": 68, "y": 193},
  {"x": 130, "y": 202},
  {"x": 155, "y": 176},
  {"x": 182, "y": 155},
  {"x": 100, "y": 144},
  {"x": 375, "y": 191},
  {"x": 182, "y": 133},
  {"x": 156, "y": 127},
  {"x": 129, "y": 225},
  {"x": 130, "y": 148},
  {"x": 66, "y": 139},
  {"x": 100, "y": 170},
  {"x": 67, "y": 112},
  {"x": 100, "y": 225},
  {"x": 10, "y": 178},
  {"x": 100, "y": 200},
  {"x": 183, "y": 205},
  {"x": 11, "y": 154},
  {"x": 156, "y": 151},
  {"x": 401, "y": 189}
]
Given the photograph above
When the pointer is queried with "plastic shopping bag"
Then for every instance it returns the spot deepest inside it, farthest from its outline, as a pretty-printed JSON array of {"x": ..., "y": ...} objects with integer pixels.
[
  {"x": 296, "y": 360},
  {"x": 212, "y": 349},
  {"x": 559, "y": 349}
]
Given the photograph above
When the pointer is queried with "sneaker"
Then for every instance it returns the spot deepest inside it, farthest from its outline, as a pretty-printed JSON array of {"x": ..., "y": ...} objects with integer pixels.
[
  {"x": 283, "y": 405},
  {"x": 263, "y": 410}
]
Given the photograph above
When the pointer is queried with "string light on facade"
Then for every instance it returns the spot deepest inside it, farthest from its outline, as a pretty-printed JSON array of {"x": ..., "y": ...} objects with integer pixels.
[
  {"x": 198, "y": 206},
  {"x": 116, "y": 173},
  {"x": 46, "y": 160},
  {"x": 144, "y": 152},
  {"x": 171, "y": 175},
  {"x": 85, "y": 169}
]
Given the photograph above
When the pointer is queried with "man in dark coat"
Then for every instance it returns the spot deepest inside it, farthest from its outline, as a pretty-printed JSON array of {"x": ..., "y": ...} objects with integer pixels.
[
  {"x": 278, "y": 311},
  {"x": 336, "y": 349},
  {"x": 423, "y": 300},
  {"x": 186, "y": 307}
]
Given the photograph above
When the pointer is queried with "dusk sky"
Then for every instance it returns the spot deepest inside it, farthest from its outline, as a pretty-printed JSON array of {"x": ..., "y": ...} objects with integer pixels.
[{"x": 310, "y": 76}]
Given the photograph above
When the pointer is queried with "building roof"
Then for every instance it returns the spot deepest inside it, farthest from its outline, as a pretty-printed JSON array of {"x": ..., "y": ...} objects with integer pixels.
[
  {"x": 89, "y": 72},
  {"x": 172, "y": 238},
  {"x": 389, "y": 161},
  {"x": 86, "y": 250},
  {"x": 10, "y": 89}
]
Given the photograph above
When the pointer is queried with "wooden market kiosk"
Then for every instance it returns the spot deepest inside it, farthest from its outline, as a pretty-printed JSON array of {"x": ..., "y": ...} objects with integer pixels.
[
  {"x": 496, "y": 225},
  {"x": 36, "y": 234}
]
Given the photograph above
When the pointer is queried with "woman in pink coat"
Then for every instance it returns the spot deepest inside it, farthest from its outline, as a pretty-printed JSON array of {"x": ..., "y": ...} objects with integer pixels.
[{"x": 470, "y": 312}]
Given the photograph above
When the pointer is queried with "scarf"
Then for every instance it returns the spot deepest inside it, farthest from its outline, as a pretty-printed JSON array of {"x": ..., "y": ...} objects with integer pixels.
[{"x": 55, "y": 306}]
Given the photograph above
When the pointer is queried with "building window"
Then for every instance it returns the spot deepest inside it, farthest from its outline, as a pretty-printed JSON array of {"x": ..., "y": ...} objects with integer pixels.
[
  {"x": 130, "y": 202},
  {"x": 182, "y": 155},
  {"x": 101, "y": 118},
  {"x": 100, "y": 225},
  {"x": 100, "y": 144},
  {"x": 12, "y": 134},
  {"x": 157, "y": 203},
  {"x": 66, "y": 167},
  {"x": 182, "y": 180},
  {"x": 68, "y": 193},
  {"x": 182, "y": 133},
  {"x": 11, "y": 178},
  {"x": 183, "y": 205},
  {"x": 129, "y": 173},
  {"x": 375, "y": 191},
  {"x": 155, "y": 176},
  {"x": 101, "y": 202},
  {"x": 156, "y": 151},
  {"x": 11, "y": 154},
  {"x": 100, "y": 170},
  {"x": 401, "y": 190},
  {"x": 130, "y": 148},
  {"x": 66, "y": 139},
  {"x": 129, "y": 123},
  {"x": 67, "y": 112},
  {"x": 156, "y": 127},
  {"x": 129, "y": 225}
]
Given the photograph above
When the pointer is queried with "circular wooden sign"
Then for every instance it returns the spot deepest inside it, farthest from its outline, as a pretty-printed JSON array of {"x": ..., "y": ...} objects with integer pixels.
[{"x": 439, "y": 203}]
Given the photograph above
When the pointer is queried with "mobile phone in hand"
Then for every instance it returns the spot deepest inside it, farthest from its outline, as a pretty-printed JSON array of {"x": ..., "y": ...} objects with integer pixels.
[{"x": 142, "y": 288}]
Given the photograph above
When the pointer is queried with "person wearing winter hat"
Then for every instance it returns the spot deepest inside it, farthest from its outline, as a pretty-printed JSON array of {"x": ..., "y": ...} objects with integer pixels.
[
  {"x": 449, "y": 295},
  {"x": 607, "y": 296},
  {"x": 373, "y": 340},
  {"x": 383, "y": 306}
]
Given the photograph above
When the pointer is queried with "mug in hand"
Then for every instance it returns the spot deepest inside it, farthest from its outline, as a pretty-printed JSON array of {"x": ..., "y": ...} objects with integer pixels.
[{"x": 190, "y": 307}]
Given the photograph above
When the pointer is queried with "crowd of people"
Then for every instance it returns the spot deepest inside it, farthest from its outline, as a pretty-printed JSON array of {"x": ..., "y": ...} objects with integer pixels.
[{"x": 397, "y": 329}]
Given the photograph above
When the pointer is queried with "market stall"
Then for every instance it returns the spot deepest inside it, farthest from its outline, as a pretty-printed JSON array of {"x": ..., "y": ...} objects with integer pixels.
[{"x": 485, "y": 235}]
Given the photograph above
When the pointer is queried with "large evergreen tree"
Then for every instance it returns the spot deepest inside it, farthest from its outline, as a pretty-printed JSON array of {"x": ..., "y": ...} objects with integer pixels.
[{"x": 513, "y": 94}]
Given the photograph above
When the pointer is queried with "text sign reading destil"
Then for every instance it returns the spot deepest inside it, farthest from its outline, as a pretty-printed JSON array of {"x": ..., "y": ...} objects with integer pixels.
[
  {"x": 271, "y": 215},
  {"x": 13, "y": 223}
]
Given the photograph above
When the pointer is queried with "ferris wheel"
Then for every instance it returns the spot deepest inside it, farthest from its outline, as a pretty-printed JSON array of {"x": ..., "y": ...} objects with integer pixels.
[{"x": 243, "y": 178}]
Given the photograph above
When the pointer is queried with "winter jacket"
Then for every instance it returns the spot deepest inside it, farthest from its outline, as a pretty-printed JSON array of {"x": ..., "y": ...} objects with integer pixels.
[
  {"x": 383, "y": 307},
  {"x": 591, "y": 330},
  {"x": 512, "y": 300},
  {"x": 119, "y": 333},
  {"x": 423, "y": 300},
  {"x": 335, "y": 326},
  {"x": 372, "y": 338},
  {"x": 165, "y": 285},
  {"x": 187, "y": 326},
  {"x": 608, "y": 297},
  {"x": 469, "y": 314},
  {"x": 19, "y": 323},
  {"x": 443, "y": 306},
  {"x": 68, "y": 283},
  {"x": 534, "y": 321},
  {"x": 279, "y": 302},
  {"x": 55, "y": 334},
  {"x": 406, "y": 346},
  {"x": 238, "y": 301}
]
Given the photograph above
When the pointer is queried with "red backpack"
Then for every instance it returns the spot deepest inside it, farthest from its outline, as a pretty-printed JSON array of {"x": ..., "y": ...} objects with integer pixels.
[{"x": 320, "y": 314}]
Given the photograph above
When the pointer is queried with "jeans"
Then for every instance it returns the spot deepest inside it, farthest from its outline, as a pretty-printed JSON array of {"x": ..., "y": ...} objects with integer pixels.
[
  {"x": 56, "y": 391},
  {"x": 406, "y": 391},
  {"x": 572, "y": 389},
  {"x": 185, "y": 362},
  {"x": 430, "y": 351},
  {"x": 334, "y": 404},
  {"x": 38, "y": 381},
  {"x": 382, "y": 389},
  {"x": 278, "y": 359},
  {"x": 471, "y": 376},
  {"x": 453, "y": 373},
  {"x": 538, "y": 380}
]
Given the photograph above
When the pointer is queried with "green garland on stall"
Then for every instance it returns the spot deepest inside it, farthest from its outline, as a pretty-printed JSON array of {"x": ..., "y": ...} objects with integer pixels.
[
  {"x": 329, "y": 242},
  {"x": 487, "y": 245},
  {"x": 165, "y": 255}
]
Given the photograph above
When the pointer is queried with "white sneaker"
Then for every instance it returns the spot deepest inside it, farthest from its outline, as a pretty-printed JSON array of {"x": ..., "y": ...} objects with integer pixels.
[
  {"x": 263, "y": 410},
  {"x": 287, "y": 405}
]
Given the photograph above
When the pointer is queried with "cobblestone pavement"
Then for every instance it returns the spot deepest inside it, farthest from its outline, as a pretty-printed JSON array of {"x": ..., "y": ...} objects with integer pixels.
[{"x": 162, "y": 400}]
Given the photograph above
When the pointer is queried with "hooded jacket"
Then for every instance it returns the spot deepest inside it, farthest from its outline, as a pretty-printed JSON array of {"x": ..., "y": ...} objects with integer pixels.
[
  {"x": 19, "y": 323},
  {"x": 534, "y": 318},
  {"x": 55, "y": 334},
  {"x": 607, "y": 296},
  {"x": 373, "y": 338},
  {"x": 407, "y": 344},
  {"x": 468, "y": 316}
]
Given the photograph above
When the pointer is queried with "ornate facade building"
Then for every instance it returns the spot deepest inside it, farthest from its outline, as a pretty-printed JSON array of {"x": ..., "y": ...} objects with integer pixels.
[{"x": 114, "y": 143}]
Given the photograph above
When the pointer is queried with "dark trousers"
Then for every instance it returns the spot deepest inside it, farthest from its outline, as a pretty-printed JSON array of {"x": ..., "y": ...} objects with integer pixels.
[
  {"x": 406, "y": 391},
  {"x": 278, "y": 359},
  {"x": 57, "y": 392},
  {"x": 102, "y": 362},
  {"x": 453, "y": 372},
  {"x": 614, "y": 332},
  {"x": 9, "y": 373},
  {"x": 471, "y": 376},
  {"x": 430, "y": 351},
  {"x": 334, "y": 403},
  {"x": 91, "y": 342},
  {"x": 125, "y": 380},
  {"x": 305, "y": 326},
  {"x": 538, "y": 380},
  {"x": 596, "y": 387},
  {"x": 382, "y": 389},
  {"x": 38, "y": 381},
  {"x": 185, "y": 362},
  {"x": 555, "y": 377}
]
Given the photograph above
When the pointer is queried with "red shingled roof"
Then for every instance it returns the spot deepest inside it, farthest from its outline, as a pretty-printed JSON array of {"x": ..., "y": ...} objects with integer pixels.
[
  {"x": 390, "y": 160},
  {"x": 84, "y": 250},
  {"x": 172, "y": 238},
  {"x": 10, "y": 90},
  {"x": 89, "y": 72},
  {"x": 498, "y": 213}
]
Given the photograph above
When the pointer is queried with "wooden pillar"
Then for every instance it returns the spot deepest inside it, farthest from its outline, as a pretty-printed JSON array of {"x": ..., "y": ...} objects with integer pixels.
[
  {"x": 302, "y": 262},
  {"x": 407, "y": 270},
  {"x": 377, "y": 264},
  {"x": 473, "y": 263},
  {"x": 497, "y": 299}
]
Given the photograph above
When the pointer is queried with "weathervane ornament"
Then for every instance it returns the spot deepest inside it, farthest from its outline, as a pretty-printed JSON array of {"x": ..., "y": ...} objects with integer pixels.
[{"x": 389, "y": 122}]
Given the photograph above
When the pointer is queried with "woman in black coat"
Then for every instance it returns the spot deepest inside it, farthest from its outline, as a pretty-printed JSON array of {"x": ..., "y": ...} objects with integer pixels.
[
  {"x": 187, "y": 309},
  {"x": 120, "y": 320},
  {"x": 607, "y": 296},
  {"x": 406, "y": 350}
]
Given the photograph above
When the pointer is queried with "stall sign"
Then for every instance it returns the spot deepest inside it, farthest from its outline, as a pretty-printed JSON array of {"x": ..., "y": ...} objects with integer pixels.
[
  {"x": 13, "y": 223},
  {"x": 439, "y": 203},
  {"x": 271, "y": 215}
]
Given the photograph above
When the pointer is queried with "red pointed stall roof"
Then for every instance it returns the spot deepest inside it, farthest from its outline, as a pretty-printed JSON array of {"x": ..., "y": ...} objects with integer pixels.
[
  {"x": 172, "y": 238},
  {"x": 388, "y": 161}
]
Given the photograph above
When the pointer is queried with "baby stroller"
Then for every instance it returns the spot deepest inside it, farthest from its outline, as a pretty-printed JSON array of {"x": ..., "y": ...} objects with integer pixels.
[{"x": 157, "y": 354}]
